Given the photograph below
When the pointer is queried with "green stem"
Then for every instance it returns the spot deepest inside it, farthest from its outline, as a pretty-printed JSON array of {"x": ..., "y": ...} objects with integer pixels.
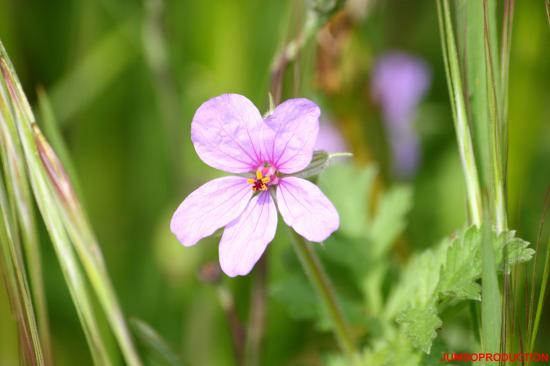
[
  {"x": 321, "y": 282},
  {"x": 256, "y": 324}
]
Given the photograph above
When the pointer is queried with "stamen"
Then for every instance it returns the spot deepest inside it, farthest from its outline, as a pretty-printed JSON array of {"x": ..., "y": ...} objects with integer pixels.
[{"x": 265, "y": 176}]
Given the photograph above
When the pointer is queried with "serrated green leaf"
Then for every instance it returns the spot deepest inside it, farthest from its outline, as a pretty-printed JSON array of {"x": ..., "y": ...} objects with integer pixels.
[
  {"x": 390, "y": 219},
  {"x": 450, "y": 272},
  {"x": 418, "y": 284},
  {"x": 462, "y": 266},
  {"x": 395, "y": 351},
  {"x": 518, "y": 250},
  {"x": 348, "y": 188},
  {"x": 420, "y": 325},
  {"x": 462, "y": 261}
]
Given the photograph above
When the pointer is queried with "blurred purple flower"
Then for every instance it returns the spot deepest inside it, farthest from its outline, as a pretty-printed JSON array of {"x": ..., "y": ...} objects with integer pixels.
[
  {"x": 399, "y": 83},
  {"x": 329, "y": 138},
  {"x": 229, "y": 134}
]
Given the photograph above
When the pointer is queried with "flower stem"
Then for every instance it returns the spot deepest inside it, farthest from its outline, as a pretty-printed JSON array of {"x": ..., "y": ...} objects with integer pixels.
[
  {"x": 256, "y": 323},
  {"x": 321, "y": 282}
]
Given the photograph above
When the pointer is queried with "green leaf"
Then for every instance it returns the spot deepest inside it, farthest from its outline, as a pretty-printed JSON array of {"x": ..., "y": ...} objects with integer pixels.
[
  {"x": 348, "y": 188},
  {"x": 395, "y": 351},
  {"x": 462, "y": 266},
  {"x": 390, "y": 219},
  {"x": 420, "y": 325},
  {"x": 518, "y": 250},
  {"x": 450, "y": 273},
  {"x": 418, "y": 284}
]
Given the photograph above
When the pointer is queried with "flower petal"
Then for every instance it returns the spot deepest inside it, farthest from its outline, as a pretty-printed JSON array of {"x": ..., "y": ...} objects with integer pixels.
[
  {"x": 294, "y": 125},
  {"x": 306, "y": 209},
  {"x": 210, "y": 207},
  {"x": 245, "y": 239},
  {"x": 226, "y": 131}
]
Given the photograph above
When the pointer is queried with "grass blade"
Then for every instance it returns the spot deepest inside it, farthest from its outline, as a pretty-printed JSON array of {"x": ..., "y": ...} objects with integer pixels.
[
  {"x": 52, "y": 131},
  {"x": 496, "y": 152},
  {"x": 159, "y": 350},
  {"x": 17, "y": 285},
  {"x": 84, "y": 242},
  {"x": 68, "y": 226},
  {"x": 547, "y": 4},
  {"x": 18, "y": 186},
  {"x": 18, "y": 120},
  {"x": 542, "y": 292},
  {"x": 491, "y": 310},
  {"x": 462, "y": 128},
  {"x": 505, "y": 49}
]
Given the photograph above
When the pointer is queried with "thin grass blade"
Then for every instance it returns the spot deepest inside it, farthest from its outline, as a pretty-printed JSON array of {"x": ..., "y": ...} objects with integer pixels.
[
  {"x": 491, "y": 310},
  {"x": 16, "y": 283},
  {"x": 64, "y": 216},
  {"x": 17, "y": 122},
  {"x": 462, "y": 128}
]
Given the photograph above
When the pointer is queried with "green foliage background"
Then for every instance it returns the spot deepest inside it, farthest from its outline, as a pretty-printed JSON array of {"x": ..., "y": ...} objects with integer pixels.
[{"x": 124, "y": 79}]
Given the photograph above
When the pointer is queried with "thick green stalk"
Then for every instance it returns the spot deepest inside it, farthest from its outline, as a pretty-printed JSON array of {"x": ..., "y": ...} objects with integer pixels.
[
  {"x": 464, "y": 137},
  {"x": 321, "y": 283}
]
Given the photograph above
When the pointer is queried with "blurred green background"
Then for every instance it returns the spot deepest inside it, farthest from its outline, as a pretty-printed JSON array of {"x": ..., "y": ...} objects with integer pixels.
[{"x": 125, "y": 78}]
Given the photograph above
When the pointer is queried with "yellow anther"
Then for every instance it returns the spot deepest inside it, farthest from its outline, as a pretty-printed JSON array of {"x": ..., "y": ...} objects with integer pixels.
[{"x": 260, "y": 183}]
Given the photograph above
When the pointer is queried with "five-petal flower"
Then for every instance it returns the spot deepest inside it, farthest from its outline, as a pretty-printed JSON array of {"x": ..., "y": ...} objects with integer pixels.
[{"x": 229, "y": 134}]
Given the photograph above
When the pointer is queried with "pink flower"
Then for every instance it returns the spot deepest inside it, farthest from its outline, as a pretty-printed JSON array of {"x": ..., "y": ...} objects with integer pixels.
[{"x": 229, "y": 134}]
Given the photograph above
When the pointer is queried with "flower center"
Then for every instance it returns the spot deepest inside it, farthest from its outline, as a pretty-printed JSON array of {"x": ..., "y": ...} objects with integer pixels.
[{"x": 266, "y": 175}]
